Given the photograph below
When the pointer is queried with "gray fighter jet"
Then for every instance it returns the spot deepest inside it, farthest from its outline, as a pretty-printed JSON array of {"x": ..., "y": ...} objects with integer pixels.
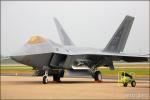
[{"x": 50, "y": 58}]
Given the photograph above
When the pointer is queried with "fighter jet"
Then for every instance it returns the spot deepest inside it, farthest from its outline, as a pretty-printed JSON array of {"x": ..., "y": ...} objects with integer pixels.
[{"x": 50, "y": 58}]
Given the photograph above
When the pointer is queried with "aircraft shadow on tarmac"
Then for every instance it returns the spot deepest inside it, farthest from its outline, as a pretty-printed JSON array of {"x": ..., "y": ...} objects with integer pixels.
[
  {"x": 51, "y": 82},
  {"x": 67, "y": 82}
]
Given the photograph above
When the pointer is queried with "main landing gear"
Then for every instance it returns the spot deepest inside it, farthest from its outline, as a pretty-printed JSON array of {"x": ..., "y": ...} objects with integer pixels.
[
  {"x": 96, "y": 74},
  {"x": 56, "y": 77},
  {"x": 57, "y": 74}
]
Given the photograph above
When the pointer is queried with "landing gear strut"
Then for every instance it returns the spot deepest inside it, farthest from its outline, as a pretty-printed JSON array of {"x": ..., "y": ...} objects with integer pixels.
[
  {"x": 45, "y": 77},
  {"x": 56, "y": 77},
  {"x": 96, "y": 74}
]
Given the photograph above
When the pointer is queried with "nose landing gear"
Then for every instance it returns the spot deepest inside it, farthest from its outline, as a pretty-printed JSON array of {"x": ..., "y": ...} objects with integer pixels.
[
  {"x": 45, "y": 77},
  {"x": 57, "y": 74}
]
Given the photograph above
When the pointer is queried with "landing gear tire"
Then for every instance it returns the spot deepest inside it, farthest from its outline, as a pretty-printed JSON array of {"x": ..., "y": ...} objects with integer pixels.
[
  {"x": 98, "y": 76},
  {"x": 45, "y": 79},
  {"x": 56, "y": 78}
]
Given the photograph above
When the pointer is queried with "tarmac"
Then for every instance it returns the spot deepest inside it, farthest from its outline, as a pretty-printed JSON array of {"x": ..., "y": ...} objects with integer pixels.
[{"x": 31, "y": 87}]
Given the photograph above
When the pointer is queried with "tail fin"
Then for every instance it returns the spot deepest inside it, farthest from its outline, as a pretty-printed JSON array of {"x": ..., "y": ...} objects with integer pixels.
[
  {"x": 118, "y": 41},
  {"x": 62, "y": 34}
]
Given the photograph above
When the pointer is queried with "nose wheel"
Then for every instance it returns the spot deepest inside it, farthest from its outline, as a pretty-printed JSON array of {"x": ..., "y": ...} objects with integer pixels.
[{"x": 45, "y": 77}]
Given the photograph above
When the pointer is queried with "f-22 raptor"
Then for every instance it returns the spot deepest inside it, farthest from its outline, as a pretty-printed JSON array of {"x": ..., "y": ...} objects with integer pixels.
[{"x": 50, "y": 58}]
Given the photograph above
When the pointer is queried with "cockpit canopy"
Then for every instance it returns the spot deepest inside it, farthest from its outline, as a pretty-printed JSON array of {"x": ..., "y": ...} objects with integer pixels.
[{"x": 36, "y": 39}]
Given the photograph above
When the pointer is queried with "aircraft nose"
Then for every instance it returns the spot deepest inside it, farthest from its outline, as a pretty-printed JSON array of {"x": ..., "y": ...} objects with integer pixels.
[{"x": 17, "y": 58}]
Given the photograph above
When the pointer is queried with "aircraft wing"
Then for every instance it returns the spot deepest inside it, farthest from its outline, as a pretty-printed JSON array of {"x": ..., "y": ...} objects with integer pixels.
[
  {"x": 114, "y": 47},
  {"x": 95, "y": 52}
]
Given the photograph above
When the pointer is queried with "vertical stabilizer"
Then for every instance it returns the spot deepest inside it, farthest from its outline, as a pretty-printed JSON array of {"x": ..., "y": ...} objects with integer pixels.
[
  {"x": 118, "y": 41},
  {"x": 62, "y": 34}
]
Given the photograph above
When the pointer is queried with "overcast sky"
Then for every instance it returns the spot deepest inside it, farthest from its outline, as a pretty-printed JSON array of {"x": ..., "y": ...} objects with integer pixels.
[{"x": 88, "y": 23}]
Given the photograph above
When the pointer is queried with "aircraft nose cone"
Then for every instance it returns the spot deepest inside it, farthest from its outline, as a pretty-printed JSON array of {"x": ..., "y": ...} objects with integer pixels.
[{"x": 17, "y": 58}]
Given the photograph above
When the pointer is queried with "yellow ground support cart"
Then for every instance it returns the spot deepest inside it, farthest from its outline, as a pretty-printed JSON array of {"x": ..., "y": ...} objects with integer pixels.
[{"x": 126, "y": 78}]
